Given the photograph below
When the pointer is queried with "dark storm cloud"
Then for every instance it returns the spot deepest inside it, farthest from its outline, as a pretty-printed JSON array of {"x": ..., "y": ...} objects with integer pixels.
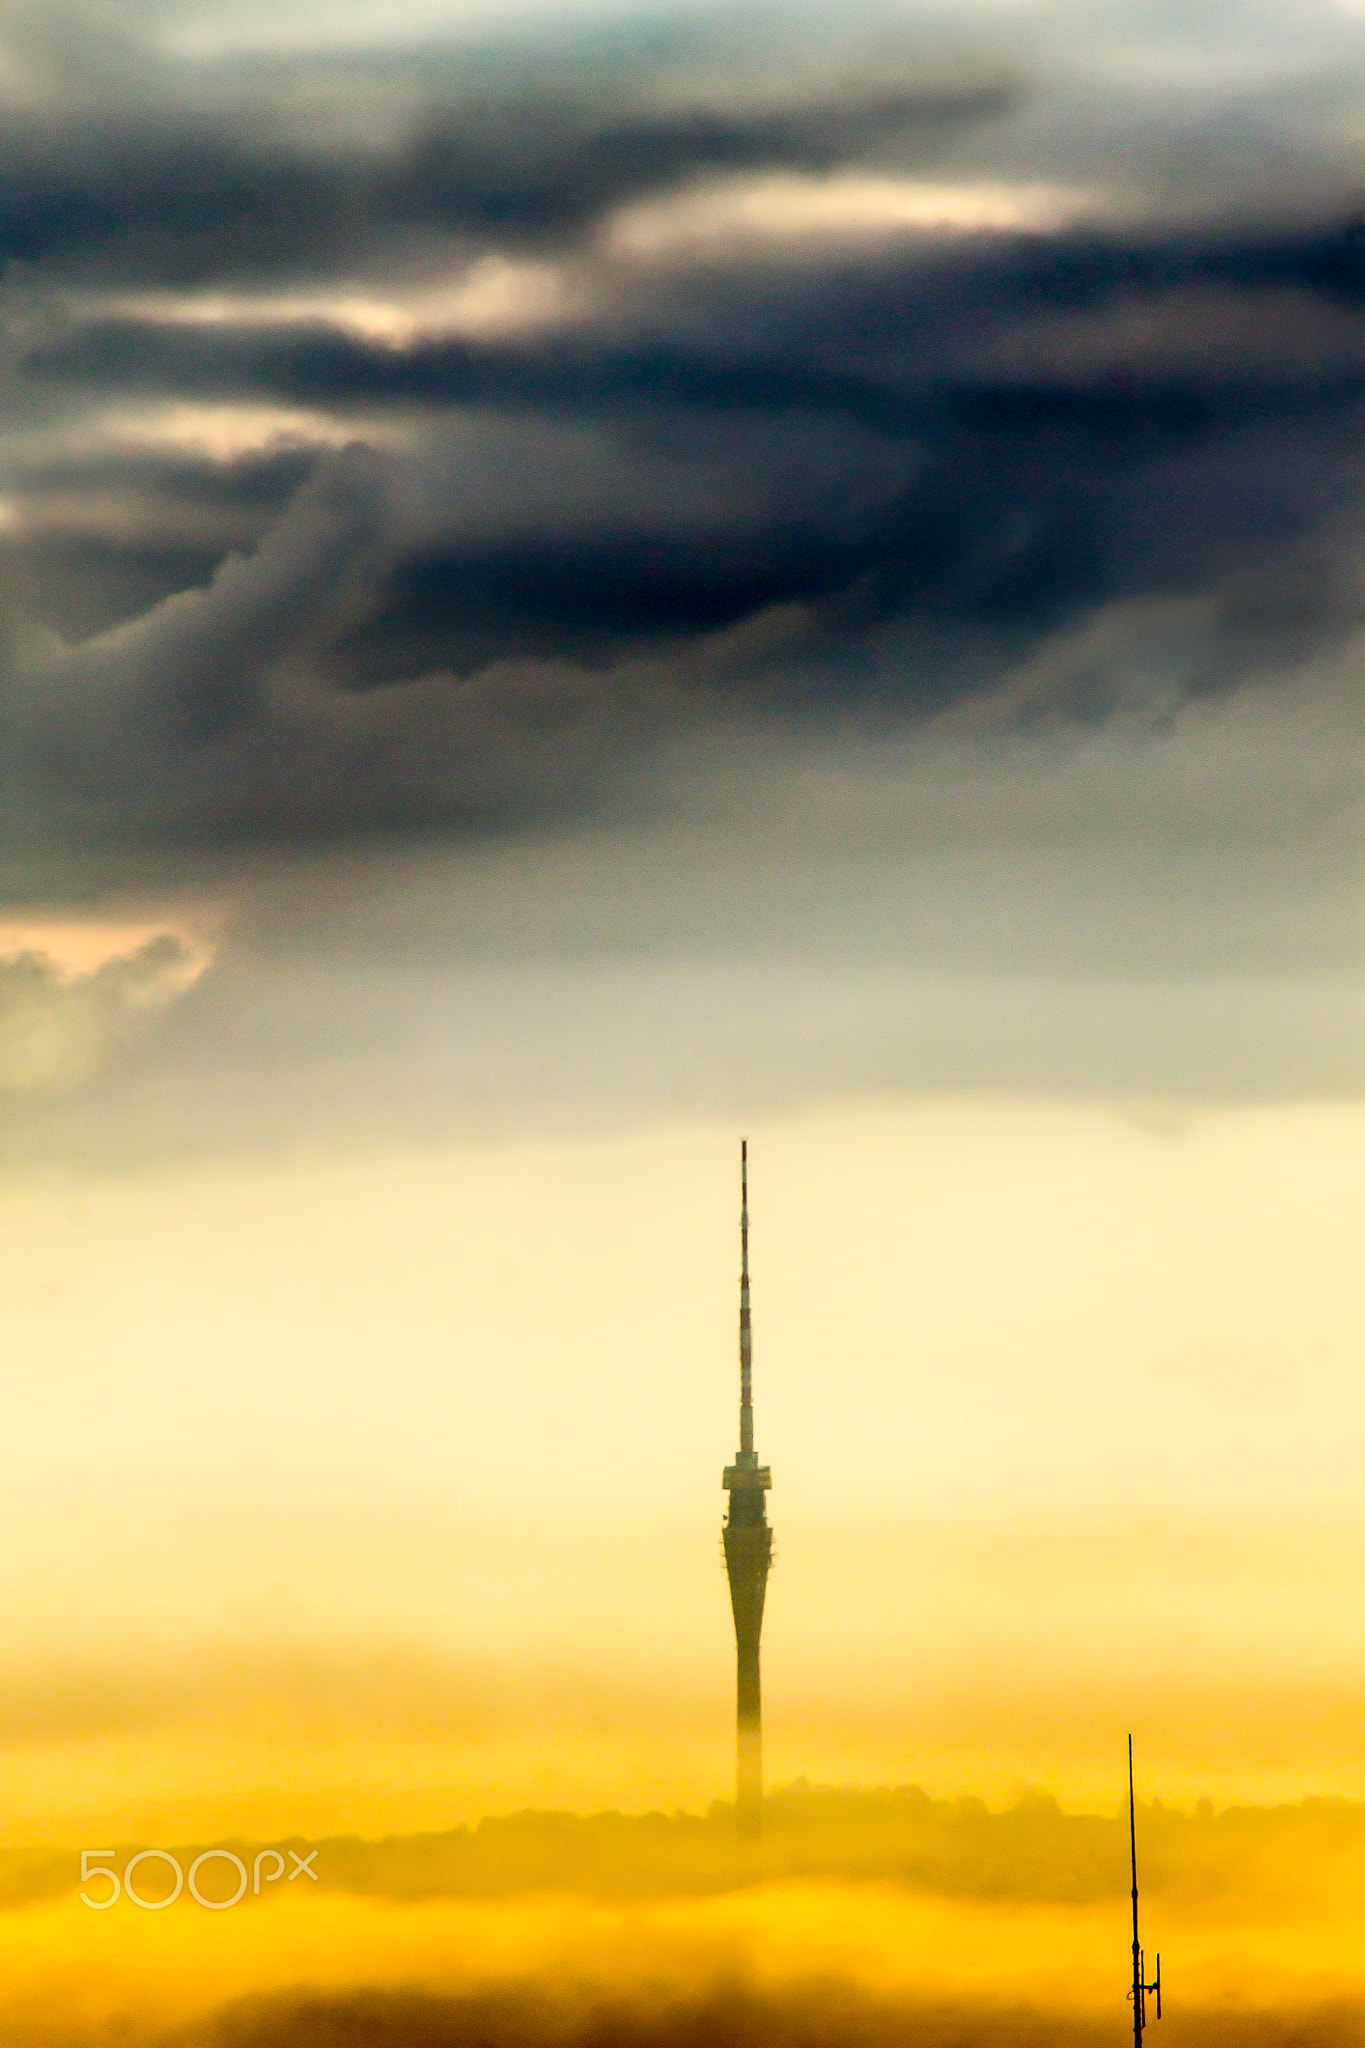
[
  {"x": 256, "y": 485},
  {"x": 841, "y": 334},
  {"x": 106, "y": 535},
  {"x": 923, "y": 456},
  {"x": 901, "y": 451},
  {"x": 196, "y": 664},
  {"x": 115, "y": 201},
  {"x": 880, "y": 512}
]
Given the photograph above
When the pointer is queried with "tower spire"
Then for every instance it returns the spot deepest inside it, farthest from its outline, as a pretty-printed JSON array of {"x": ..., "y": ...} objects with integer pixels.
[
  {"x": 748, "y": 1551},
  {"x": 746, "y": 1335}
]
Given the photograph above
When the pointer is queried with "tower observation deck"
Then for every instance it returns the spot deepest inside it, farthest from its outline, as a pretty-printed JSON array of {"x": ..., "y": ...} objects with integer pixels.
[{"x": 748, "y": 1553}]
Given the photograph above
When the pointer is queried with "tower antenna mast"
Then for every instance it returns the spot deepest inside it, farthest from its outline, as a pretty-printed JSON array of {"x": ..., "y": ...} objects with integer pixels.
[
  {"x": 748, "y": 1542},
  {"x": 1138, "y": 1994}
]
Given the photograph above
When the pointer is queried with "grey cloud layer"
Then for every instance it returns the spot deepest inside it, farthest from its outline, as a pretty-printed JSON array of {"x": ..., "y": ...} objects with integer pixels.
[{"x": 1166, "y": 918}]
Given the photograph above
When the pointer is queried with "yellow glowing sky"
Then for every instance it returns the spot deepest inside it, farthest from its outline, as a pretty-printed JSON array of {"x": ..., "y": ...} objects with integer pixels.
[{"x": 381, "y": 1490}]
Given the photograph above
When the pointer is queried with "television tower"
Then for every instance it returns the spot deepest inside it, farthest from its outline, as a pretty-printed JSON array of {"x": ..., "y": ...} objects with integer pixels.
[{"x": 748, "y": 1553}]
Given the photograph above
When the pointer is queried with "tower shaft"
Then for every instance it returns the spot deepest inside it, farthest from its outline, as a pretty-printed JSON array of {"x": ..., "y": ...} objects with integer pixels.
[{"x": 748, "y": 1555}]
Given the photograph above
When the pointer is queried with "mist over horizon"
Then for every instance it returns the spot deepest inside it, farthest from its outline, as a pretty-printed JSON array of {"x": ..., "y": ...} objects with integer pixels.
[
  {"x": 876, "y": 1914},
  {"x": 1026, "y": 1849}
]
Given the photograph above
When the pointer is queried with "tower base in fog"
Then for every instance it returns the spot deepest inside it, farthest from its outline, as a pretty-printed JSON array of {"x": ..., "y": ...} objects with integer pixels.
[
  {"x": 748, "y": 1554},
  {"x": 749, "y": 1779}
]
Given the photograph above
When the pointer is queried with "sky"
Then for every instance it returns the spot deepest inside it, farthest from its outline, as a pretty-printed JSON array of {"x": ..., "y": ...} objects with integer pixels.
[{"x": 582, "y": 580}]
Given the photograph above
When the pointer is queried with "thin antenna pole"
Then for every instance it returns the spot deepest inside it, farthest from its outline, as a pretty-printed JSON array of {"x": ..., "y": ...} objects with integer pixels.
[
  {"x": 1137, "y": 1952},
  {"x": 746, "y": 1338},
  {"x": 1138, "y": 1994}
]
